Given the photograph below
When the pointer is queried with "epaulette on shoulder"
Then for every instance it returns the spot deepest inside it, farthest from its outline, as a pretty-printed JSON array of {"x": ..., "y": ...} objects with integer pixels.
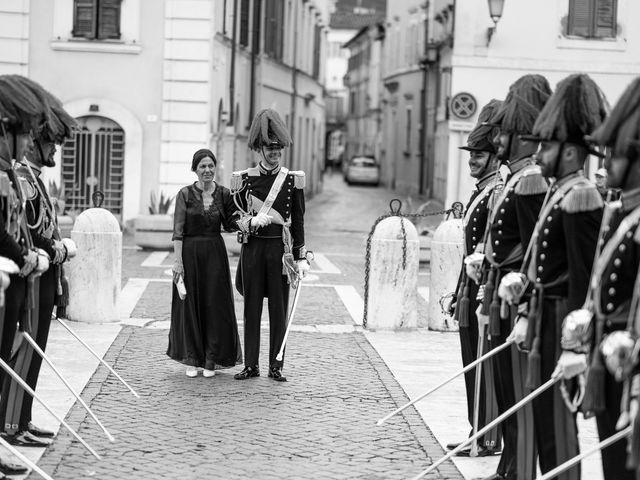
[
  {"x": 299, "y": 178},
  {"x": 5, "y": 184},
  {"x": 28, "y": 189},
  {"x": 532, "y": 182},
  {"x": 235, "y": 183},
  {"x": 584, "y": 197}
]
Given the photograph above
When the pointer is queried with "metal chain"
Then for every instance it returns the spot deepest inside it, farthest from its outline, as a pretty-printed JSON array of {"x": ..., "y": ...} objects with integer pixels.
[{"x": 394, "y": 212}]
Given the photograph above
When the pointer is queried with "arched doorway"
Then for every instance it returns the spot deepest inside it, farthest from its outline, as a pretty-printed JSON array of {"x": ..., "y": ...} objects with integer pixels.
[{"x": 94, "y": 160}]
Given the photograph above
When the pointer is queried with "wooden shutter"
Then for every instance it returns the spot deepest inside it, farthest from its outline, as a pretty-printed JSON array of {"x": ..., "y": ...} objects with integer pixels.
[
  {"x": 580, "y": 17},
  {"x": 279, "y": 51},
  {"x": 109, "y": 19},
  {"x": 244, "y": 23},
  {"x": 270, "y": 27},
  {"x": 255, "y": 41},
  {"x": 605, "y": 18},
  {"x": 317, "y": 44},
  {"x": 84, "y": 18}
]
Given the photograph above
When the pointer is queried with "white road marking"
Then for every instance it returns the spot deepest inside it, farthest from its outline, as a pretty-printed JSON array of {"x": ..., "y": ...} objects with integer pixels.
[
  {"x": 352, "y": 301},
  {"x": 155, "y": 259},
  {"x": 325, "y": 266},
  {"x": 130, "y": 295}
]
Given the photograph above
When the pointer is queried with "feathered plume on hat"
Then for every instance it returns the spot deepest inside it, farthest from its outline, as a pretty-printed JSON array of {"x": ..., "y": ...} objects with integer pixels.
[
  {"x": 20, "y": 109},
  {"x": 481, "y": 137},
  {"x": 575, "y": 110},
  {"x": 621, "y": 130},
  {"x": 523, "y": 104},
  {"x": 57, "y": 124},
  {"x": 268, "y": 128}
]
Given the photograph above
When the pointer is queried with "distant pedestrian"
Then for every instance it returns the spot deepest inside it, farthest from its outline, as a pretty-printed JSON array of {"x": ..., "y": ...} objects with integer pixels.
[
  {"x": 272, "y": 231},
  {"x": 203, "y": 332}
]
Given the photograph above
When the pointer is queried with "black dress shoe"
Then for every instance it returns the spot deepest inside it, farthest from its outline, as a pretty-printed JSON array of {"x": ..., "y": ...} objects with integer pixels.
[
  {"x": 482, "y": 452},
  {"x": 495, "y": 476},
  {"x": 26, "y": 439},
  {"x": 40, "y": 432},
  {"x": 10, "y": 468},
  {"x": 451, "y": 446},
  {"x": 276, "y": 374},
  {"x": 248, "y": 372}
]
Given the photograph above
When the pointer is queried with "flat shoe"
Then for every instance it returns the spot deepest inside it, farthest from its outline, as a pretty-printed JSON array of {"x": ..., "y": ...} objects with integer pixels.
[
  {"x": 38, "y": 432},
  {"x": 208, "y": 373},
  {"x": 26, "y": 439},
  {"x": 192, "y": 372},
  {"x": 10, "y": 468}
]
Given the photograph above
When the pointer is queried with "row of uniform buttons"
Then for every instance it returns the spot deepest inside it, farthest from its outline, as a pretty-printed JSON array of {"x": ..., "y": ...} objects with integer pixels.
[
  {"x": 617, "y": 262},
  {"x": 544, "y": 243}
]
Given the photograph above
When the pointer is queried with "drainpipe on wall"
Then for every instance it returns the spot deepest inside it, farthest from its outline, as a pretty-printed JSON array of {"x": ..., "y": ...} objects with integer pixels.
[
  {"x": 423, "y": 105},
  {"x": 255, "y": 48},
  {"x": 294, "y": 85},
  {"x": 232, "y": 70}
]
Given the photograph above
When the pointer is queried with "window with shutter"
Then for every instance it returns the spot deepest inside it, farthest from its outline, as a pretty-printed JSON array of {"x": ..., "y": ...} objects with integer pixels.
[
  {"x": 317, "y": 44},
  {"x": 96, "y": 19},
  {"x": 244, "y": 23},
  {"x": 84, "y": 18},
  {"x": 592, "y": 18},
  {"x": 270, "y": 27}
]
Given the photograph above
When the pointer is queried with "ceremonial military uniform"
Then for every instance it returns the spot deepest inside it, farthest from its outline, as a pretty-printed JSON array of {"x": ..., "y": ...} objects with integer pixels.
[
  {"x": 15, "y": 404},
  {"x": 511, "y": 226},
  {"x": 475, "y": 222},
  {"x": 268, "y": 252},
  {"x": 612, "y": 284}
]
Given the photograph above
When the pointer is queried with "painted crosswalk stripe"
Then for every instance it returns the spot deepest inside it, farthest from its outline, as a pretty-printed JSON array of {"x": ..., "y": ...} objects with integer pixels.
[
  {"x": 352, "y": 301},
  {"x": 130, "y": 295},
  {"x": 155, "y": 259},
  {"x": 324, "y": 265}
]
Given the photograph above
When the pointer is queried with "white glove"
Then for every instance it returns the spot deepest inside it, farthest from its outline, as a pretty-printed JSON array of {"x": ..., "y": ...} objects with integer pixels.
[
  {"x": 473, "y": 266},
  {"x": 570, "y": 364},
  {"x": 519, "y": 332},
  {"x": 512, "y": 287},
  {"x": 30, "y": 262},
  {"x": 483, "y": 320},
  {"x": 60, "y": 251},
  {"x": 303, "y": 268},
  {"x": 261, "y": 220}
]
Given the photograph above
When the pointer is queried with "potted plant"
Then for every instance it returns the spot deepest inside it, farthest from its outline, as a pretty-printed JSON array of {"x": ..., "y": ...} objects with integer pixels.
[{"x": 154, "y": 230}]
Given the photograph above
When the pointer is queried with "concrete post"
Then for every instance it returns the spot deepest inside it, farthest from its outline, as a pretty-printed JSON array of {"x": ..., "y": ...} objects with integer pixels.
[
  {"x": 446, "y": 260},
  {"x": 95, "y": 273},
  {"x": 393, "y": 290}
]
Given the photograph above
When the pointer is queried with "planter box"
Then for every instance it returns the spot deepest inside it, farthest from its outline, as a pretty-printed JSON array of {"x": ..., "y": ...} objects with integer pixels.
[{"x": 154, "y": 232}]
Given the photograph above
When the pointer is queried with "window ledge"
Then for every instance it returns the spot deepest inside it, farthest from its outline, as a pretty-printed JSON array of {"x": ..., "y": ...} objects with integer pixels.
[
  {"x": 605, "y": 44},
  {"x": 96, "y": 46}
]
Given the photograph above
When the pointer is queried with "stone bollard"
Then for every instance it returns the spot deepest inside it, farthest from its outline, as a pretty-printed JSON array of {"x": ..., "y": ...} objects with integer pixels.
[
  {"x": 392, "y": 298},
  {"x": 95, "y": 272},
  {"x": 446, "y": 261}
]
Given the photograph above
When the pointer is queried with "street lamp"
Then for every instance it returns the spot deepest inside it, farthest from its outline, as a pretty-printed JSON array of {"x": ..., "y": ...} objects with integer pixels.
[{"x": 495, "y": 12}]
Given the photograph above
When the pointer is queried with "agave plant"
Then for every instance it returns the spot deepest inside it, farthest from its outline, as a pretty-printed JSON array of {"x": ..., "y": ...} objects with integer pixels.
[{"x": 160, "y": 205}]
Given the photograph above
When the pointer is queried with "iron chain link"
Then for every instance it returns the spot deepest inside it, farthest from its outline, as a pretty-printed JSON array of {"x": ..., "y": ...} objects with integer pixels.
[{"x": 394, "y": 212}]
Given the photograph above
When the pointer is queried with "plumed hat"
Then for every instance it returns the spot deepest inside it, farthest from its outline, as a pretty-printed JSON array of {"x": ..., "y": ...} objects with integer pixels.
[
  {"x": 575, "y": 110},
  {"x": 20, "y": 109},
  {"x": 621, "y": 130},
  {"x": 268, "y": 128},
  {"x": 481, "y": 137},
  {"x": 526, "y": 98},
  {"x": 57, "y": 124}
]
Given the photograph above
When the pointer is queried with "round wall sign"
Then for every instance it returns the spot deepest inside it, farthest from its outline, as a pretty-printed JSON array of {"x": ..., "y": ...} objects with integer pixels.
[{"x": 463, "y": 105}]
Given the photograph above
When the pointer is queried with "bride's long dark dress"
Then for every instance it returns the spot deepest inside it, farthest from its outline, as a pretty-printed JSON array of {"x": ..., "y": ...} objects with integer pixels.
[{"x": 204, "y": 332}]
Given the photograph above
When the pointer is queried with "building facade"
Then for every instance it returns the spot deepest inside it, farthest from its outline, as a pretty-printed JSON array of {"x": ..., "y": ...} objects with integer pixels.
[
  {"x": 152, "y": 81},
  {"x": 444, "y": 60}
]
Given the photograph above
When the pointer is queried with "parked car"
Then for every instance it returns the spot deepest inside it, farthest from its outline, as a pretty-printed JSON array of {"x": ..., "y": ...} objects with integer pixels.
[{"x": 362, "y": 169}]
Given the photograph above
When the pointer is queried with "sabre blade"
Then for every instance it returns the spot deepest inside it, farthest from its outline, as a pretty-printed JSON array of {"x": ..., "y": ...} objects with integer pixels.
[
  {"x": 550, "y": 383},
  {"x": 486, "y": 356},
  {"x": 37, "y": 348},
  {"x": 30, "y": 391},
  {"x": 289, "y": 321},
  {"x": 100, "y": 359}
]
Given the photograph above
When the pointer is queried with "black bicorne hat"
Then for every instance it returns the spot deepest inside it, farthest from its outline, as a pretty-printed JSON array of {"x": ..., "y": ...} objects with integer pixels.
[
  {"x": 267, "y": 128},
  {"x": 575, "y": 110},
  {"x": 21, "y": 111},
  {"x": 621, "y": 130},
  {"x": 524, "y": 102},
  {"x": 481, "y": 137}
]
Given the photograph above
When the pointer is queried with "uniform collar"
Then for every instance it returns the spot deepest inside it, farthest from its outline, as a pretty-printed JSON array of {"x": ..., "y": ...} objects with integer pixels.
[
  {"x": 486, "y": 180},
  {"x": 561, "y": 181},
  {"x": 265, "y": 171},
  {"x": 520, "y": 163},
  {"x": 630, "y": 199}
]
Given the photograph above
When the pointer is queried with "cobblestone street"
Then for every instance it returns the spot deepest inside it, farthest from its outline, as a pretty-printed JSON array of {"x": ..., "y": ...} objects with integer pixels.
[{"x": 320, "y": 424}]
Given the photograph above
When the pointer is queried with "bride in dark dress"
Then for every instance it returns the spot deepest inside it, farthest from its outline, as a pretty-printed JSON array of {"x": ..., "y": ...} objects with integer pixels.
[{"x": 204, "y": 332}]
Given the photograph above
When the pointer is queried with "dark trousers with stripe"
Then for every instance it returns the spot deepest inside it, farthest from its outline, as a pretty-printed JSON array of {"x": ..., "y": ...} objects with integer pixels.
[
  {"x": 261, "y": 263},
  {"x": 555, "y": 426},
  {"x": 15, "y": 404},
  {"x": 15, "y": 301},
  {"x": 614, "y": 457},
  {"x": 469, "y": 340}
]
